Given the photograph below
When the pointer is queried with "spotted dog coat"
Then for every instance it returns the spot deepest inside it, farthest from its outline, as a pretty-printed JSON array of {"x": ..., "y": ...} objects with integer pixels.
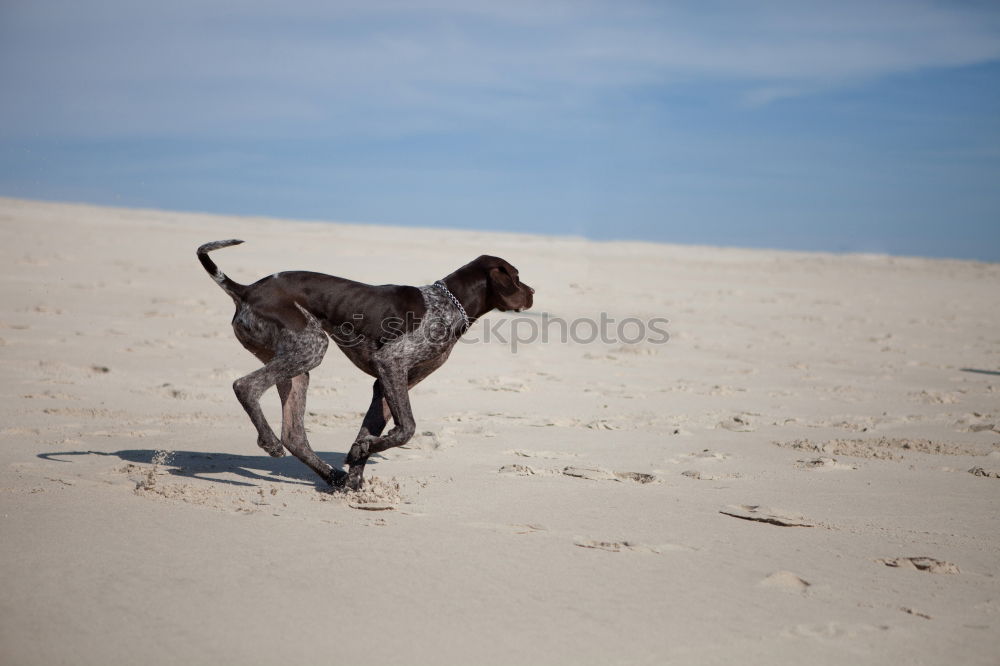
[{"x": 397, "y": 334}]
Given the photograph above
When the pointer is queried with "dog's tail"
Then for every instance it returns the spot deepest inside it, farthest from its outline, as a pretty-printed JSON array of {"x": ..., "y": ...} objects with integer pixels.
[{"x": 234, "y": 289}]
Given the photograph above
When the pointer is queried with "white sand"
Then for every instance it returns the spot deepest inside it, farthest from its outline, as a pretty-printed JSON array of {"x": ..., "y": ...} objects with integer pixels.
[{"x": 141, "y": 524}]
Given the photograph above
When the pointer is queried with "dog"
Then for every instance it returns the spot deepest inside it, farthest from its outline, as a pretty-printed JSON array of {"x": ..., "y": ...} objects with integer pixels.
[{"x": 397, "y": 334}]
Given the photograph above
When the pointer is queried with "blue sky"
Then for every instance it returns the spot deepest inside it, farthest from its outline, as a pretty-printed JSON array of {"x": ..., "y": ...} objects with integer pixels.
[{"x": 847, "y": 126}]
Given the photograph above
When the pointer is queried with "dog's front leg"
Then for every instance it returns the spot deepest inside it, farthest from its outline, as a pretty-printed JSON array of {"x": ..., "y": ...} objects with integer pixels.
[
  {"x": 377, "y": 416},
  {"x": 374, "y": 423},
  {"x": 393, "y": 383}
]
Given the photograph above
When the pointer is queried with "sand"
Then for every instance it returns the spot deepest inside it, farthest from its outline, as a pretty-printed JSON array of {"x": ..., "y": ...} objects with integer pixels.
[{"x": 806, "y": 472}]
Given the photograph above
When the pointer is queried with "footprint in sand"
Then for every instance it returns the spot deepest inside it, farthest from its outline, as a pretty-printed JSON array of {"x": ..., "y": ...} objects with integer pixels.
[
  {"x": 738, "y": 423},
  {"x": 592, "y": 424},
  {"x": 168, "y": 390},
  {"x": 511, "y": 528},
  {"x": 598, "y": 474},
  {"x": 763, "y": 514},
  {"x": 552, "y": 455},
  {"x": 823, "y": 463},
  {"x": 50, "y": 395},
  {"x": 554, "y": 423},
  {"x": 722, "y": 389},
  {"x": 708, "y": 454},
  {"x": 590, "y": 473},
  {"x": 499, "y": 384},
  {"x": 424, "y": 444},
  {"x": 523, "y": 470},
  {"x": 705, "y": 455},
  {"x": 936, "y": 397},
  {"x": 976, "y": 422},
  {"x": 704, "y": 476},
  {"x": 626, "y": 545},
  {"x": 928, "y": 564},
  {"x": 601, "y": 424},
  {"x": 883, "y": 448}
]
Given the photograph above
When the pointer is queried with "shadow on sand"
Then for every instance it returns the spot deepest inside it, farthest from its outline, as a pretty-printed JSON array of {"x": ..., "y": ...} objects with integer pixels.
[
  {"x": 981, "y": 372},
  {"x": 207, "y": 466}
]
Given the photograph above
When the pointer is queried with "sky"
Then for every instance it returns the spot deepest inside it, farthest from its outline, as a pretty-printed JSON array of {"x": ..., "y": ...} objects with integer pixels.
[{"x": 835, "y": 126}]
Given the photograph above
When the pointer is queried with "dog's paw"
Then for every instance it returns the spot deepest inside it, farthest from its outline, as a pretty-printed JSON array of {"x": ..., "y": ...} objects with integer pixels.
[
  {"x": 338, "y": 478},
  {"x": 355, "y": 478}
]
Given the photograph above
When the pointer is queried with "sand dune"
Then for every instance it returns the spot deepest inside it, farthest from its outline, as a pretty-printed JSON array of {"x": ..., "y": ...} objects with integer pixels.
[{"x": 806, "y": 472}]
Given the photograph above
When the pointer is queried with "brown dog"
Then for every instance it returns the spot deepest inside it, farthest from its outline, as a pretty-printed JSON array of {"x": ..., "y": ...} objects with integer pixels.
[{"x": 397, "y": 334}]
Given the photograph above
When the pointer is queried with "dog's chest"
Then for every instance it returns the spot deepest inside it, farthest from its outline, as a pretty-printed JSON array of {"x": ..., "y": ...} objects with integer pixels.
[{"x": 436, "y": 334}]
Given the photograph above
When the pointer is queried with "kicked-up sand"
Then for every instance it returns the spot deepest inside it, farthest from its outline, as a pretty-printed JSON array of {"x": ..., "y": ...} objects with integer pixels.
[{"x": 807, "y": 471}]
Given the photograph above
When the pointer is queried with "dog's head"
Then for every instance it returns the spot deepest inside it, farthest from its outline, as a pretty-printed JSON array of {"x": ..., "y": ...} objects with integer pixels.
[{"x": 506, "y": 292}]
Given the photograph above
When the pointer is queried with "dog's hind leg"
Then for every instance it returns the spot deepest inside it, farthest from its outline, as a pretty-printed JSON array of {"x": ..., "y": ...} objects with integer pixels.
[
  {"x": 296, "y": 352},
  {"x": 248, "y": 391},
  {"x": 293, "y": 430}
]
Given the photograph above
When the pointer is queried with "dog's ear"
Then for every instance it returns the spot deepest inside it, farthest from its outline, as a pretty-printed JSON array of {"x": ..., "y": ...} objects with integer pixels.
[
  {"x": 502, "y": 282},
  {"x": 506, "y": 289}
]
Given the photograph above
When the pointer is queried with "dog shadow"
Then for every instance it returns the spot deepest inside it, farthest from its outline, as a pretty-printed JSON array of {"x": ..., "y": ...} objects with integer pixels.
[{"x": 212, "y": 466}]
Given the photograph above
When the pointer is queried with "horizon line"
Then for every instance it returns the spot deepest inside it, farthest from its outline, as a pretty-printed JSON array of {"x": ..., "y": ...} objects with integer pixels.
[{"x": 566, "y": 236}]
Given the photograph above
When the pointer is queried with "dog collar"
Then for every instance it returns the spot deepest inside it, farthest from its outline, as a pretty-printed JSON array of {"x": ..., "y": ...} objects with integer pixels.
[{"x": 458, "y": 303}]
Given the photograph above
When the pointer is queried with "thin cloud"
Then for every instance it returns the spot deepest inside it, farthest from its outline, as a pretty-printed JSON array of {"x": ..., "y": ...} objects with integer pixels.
[{"x": 120, "y": 68}]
